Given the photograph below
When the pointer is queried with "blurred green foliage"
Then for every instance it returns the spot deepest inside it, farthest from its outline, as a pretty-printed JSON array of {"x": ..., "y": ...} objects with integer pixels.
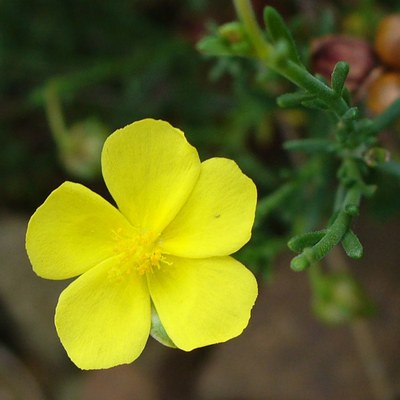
[{"x": 115, "y": 61}]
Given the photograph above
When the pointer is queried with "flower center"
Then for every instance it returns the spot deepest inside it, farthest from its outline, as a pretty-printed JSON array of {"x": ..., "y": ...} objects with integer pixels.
[
  {"x": 141, "y": 253},
  {"x": 146, "y": 254}
]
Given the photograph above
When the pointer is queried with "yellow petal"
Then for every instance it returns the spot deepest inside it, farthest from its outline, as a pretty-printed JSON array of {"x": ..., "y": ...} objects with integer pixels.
[
  {"x": 150, "y": 170},
  {"x": 103, "y": 317},
  {"x": 218, "y": 216},
  {"x": 72, "y": 231},
  {"x": 203, "y": 301}
]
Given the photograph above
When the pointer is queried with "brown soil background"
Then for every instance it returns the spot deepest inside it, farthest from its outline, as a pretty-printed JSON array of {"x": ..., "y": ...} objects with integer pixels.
[{"x": 284, "y": 354}]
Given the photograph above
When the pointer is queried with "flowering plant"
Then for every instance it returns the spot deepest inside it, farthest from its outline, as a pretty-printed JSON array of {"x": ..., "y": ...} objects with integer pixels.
[
  {"x": 159, "y": 262},
  {"x": 166, "y": 247}
]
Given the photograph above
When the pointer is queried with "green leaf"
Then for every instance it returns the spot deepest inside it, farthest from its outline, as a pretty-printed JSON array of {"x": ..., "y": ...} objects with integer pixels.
[
  {"x": 315, "y": 104},
  {"x": 279, "y": 32},
  {"x": 310, "y": 145},
  {"x": 299, "y": 263},
  {"x": 288, "y": 100},
  {"x": 273, "y": 200},
  {"x": 339, "y": 76},
  {"x": 351, "y": 245},
  {"x": 351, "y": 114},
  {"x": 213, "y": 46},
  {"x": 346, "y": 95},
  {"x": 300, "y": 242},
  {"x": 352, "y": 209}
]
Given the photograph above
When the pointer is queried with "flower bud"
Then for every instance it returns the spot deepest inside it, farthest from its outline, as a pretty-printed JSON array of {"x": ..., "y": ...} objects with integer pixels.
[
  {"x": 81, "y": 148},
  {"x": 233, "y": 34},
  {"x": 376, "y": 155},
  {"x": 327, "y": 51}
]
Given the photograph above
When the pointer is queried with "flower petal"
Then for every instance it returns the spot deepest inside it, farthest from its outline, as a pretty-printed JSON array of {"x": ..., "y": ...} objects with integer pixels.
[
  {"x": 72, "y": 231},
  {"x": 203, "y": 301},
  {"x": 103, "y": 318},
  {"x": 218, "y": 216},
  {"x": 150, "y": 170}
]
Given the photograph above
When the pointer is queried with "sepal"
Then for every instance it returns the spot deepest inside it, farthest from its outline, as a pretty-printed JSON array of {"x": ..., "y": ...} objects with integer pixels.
[{"x": 158, "y": 332}]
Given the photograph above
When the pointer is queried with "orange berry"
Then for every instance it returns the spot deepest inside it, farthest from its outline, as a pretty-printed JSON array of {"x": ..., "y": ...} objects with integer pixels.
[
  {"x": 387, "y": 40},
  {"x": 383, "y": 91}
]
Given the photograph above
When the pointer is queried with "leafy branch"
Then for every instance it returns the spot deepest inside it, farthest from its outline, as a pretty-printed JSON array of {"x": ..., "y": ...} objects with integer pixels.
[{"x": 355, "y": 139}]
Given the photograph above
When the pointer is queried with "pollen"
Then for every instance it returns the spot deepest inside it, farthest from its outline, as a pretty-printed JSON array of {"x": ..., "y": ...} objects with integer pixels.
[{"x": 139, "y": 253}]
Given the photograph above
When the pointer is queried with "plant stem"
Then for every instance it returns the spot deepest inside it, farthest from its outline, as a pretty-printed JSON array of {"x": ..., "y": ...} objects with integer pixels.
[
  {"x": 297, "y": 73},
  {"x": 55, "y": 116},
  {"x": 336, "y": 231},
  {"x": 266, "y": 205},
  {"x": 287, "y": 68},
  {"x": 349, "y": 195},
  {"x": 245, "y": 12},
  {"x": 302, "y": 78}
]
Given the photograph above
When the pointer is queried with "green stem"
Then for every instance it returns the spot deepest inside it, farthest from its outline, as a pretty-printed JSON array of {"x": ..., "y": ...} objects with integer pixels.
[
  {"x": 302, "y": 78},
  {"x": 267, "y": 204},
  {"x": 246, "y": 14},
  {"x": 55, "y": 116},
  {"x": 287, "y": 68},
  {"x": 339, "y": 227}
]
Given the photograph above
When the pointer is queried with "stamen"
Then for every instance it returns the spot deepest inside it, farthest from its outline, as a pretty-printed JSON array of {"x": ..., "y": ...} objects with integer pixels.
[{"x": 140, "y": 253}]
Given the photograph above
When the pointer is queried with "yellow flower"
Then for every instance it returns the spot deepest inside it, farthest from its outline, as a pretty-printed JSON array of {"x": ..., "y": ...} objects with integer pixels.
[{"x": 166, "y": 246}]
